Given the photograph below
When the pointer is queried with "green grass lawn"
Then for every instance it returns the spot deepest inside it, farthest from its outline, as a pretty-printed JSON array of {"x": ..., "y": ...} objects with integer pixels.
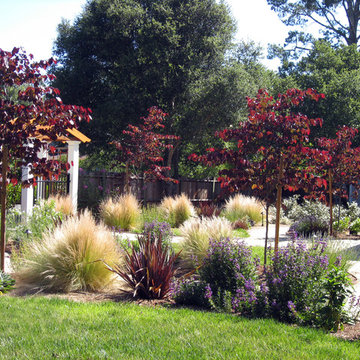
[{"x": 43, "y": 328}]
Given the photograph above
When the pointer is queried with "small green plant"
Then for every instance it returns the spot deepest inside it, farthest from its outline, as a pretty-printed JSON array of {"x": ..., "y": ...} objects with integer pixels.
[
  {"x": 44, "y": 218},
  {"x": 336, "y": 287},
  {"x": 310, "y": 225},
  {"x": 156, "y": 230},
  {"x": 13, "y": 195},
  {"x": 190, "y": 291},
  {"x": 6, "y": 283},
  {"x": 151, "y": 213},
  {"x": 67, "y": 258},
  {"x": 342, "y": 225},
  {"x": 148, "y": 270},
  {"x": 122, "y": 212},
  {"x": 355, "y": 226}
]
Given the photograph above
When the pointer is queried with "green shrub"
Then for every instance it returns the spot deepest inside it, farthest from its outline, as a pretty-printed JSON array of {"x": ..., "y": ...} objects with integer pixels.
[
  {"x": 67, "y": 258},
  {"x": 310, "y": 225},
  {"x": 121, "y": 213},
  {"x": 13, "y": 195},
  {"x": 304, "y": 287},
  {"x": 156, "y": 230},
  {"x": 151, "y": 213},
  {"x": 190, "y": 291},
  {"x": 6, "y": 283},
  {"x": 342, "y": 225},
  {"x": 355, "y": 226}
]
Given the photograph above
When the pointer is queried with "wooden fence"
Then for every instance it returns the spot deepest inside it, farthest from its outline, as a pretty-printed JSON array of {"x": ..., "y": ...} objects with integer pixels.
[{"x": 99, "y": 184}]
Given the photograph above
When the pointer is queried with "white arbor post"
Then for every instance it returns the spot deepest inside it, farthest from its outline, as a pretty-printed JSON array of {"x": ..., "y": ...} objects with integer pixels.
[
  {"x": 73, "y": 159},
  {"x": 27, "y": 194}
]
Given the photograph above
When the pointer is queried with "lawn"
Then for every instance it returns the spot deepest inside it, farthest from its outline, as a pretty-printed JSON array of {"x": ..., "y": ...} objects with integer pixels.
[{"x": 48, "y": 328}]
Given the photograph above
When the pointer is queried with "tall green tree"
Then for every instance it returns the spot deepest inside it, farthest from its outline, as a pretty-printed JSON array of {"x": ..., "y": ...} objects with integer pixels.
[
  {"x": 338, "y": 21},
  {"x": 127, "y": 55},
  {"x": 336, "y": 73}
]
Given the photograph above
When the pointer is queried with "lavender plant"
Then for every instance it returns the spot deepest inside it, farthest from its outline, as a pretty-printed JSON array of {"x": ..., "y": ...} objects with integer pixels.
[
  {"x": 301, "y": 286},
  {"x": 156, "y": 229},
  {"x": 228, "y": 269},
  {"x": 191, "y": 291}
]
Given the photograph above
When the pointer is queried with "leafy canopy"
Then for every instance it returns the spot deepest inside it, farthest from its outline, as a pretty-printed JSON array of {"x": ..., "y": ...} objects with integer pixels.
[{"x": 31, "y": 113}]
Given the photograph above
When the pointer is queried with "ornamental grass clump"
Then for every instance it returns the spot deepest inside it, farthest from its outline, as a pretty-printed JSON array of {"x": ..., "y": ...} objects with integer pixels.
[
  {"x": 197, "y": 234},
  {"x": 68, "y": 258},
  {"x": 243, "y": 207},
  {"x": 122, "y": 212},
  {"x": 63, "y": 204},
  {"x": 178, "y": 209}
]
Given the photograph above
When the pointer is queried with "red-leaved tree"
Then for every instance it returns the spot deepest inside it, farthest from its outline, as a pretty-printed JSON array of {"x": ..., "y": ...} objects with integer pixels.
[
  {"x": 269, "y": 149},
  {"x": 339, "y": 165},
  {"x": 143, "y": 148},
  {"x": 30, "y": 111}
]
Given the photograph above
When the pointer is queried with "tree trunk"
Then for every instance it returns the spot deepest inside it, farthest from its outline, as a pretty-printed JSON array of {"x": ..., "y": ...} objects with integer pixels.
[
  {"x": 3, "y": 204},
  {"x": 331, "y": 202},
  {"x": 266, "y": 232},
  {"x": 278, "y": 205}
]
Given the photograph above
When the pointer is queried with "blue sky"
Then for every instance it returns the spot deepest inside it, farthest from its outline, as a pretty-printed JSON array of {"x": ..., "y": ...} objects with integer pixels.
[{"x": 32, "y": 23}]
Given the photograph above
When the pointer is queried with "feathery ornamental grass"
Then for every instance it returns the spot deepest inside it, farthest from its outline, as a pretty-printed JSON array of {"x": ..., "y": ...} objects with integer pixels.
[
  {"x": 63, "y": 204},
  {"x": 178, "y": 209},
  {"x": 243, "y": 207},
  {"x": 67, "y": 258},
  {"x": 198, "y": 232},
  {"x": 123, "y": 212}
]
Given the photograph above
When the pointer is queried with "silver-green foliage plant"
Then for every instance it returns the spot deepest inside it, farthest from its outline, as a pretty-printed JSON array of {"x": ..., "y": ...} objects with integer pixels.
[
  {"x": 296, "y": 211},
  {"x": 43, "y": 218}
]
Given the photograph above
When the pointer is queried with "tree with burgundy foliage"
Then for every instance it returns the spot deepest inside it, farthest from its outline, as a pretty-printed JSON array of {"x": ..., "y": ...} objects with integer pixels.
[
  {"x": 339, "y": 164},
  {"x": 31, "y": 112},
  {"x": 268, "y": 151},
  {"x": 143, "y": 147}
]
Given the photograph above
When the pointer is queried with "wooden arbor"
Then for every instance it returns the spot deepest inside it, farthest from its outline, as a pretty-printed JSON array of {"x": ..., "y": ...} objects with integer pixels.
[{"x": 73, "y": 140}]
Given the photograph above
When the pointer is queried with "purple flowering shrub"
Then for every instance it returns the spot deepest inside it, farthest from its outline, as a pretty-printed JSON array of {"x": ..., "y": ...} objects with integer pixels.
[
  {"x": 229, "y": 270},
  {"x": 156, "y": 229},
  {"x": 301, "y": 286},
  {"x": 191, "y": 291}
]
